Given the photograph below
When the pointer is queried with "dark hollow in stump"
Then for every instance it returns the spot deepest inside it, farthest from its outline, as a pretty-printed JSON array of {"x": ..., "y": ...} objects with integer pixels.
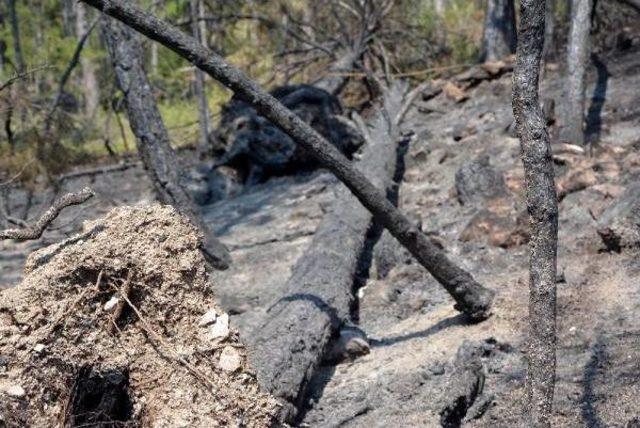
[
  {"x": 471, "y": 297},
  {"x": 320, "y": 295},
  {"x": 152, "y": 138},
  {"x": 259, "y": 149}
]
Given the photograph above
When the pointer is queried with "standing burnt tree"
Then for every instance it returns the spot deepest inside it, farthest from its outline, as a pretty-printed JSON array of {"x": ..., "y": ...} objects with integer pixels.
[
  {"x": 152, "y": 137},
  {"x": 577, "y": 57},
  {"x": 543, "y": 211},
  {"x": 499, "y": 38}
]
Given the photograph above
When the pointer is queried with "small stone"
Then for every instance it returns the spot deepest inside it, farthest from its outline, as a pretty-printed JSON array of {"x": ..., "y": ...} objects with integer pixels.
[
  {"x": 230, "y": 359},
  {"x": 38, "y": 348},
  {"x": 208, "y": 318},
  {"x": 220, "y": 330},
  {"x": 111, "y": 304},
  {"x": 437, "y": 369},
  {"x": 14, "y": 391}
]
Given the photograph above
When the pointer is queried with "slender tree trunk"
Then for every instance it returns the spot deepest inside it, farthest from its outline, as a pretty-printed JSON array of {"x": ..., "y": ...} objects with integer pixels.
[
  {"x": 203, "y": 108},
  {"x": 577, "y": 60},
  {"x": 549, "y": 30},
  {"x": 499, "y": 37},
  {"x": 543, "y": 211},
  {"x": 471, "y": 297},
  {"x": 89, "y": 81},
  {"x": 15, "y": 34},
  {"x": 152, "y": 138}
]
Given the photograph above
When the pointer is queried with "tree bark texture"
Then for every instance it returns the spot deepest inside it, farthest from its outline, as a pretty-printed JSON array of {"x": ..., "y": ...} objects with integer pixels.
[
  {"x": 89, "y": 80},
  {"x": 543, "y": 211},
  {"x": 499, "y": 37},
  {"x": 152, "y": 138},
  {"x": 15, "y": 34},
  {"x": 577, "y": 60},
  {"x": 320, "y": 296},
  {"x": 471, "y": 297},
  {"x": 203, "y": 108}
]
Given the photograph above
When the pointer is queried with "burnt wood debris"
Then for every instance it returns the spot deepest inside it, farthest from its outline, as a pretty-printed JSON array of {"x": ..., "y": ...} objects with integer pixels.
[
  {"x": 471, "y": 298},
  {"x": 320, "y": 292},
  {"x": 543, "y": 212}
]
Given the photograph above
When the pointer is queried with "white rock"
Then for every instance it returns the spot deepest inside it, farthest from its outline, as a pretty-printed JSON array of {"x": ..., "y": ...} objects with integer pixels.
[
  {"x": 108, "y": 307},
  {"x": 208, "y": 318},
  {"x": 14, "y": 391},
  {"x": 38, "y": 348},
  {"x": 220, "y": 330},
  {"x": 230, "y": 359}
]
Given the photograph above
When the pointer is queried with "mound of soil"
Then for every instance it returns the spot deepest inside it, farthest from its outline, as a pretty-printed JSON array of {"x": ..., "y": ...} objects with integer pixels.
[{"x": 118, "y": 327}]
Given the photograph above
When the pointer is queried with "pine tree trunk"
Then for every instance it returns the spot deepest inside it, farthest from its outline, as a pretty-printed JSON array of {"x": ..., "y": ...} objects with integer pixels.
[
  {"x": 15, "y": 34},
  {"x": 89, "y": 81},
  {"x": 543, "y": 211},
  {"x": 203, "y": 108},
  {"x": 152, "y": 138},
  {"x": 499, "y": 37},
  {"x": 572, "y": 130}
]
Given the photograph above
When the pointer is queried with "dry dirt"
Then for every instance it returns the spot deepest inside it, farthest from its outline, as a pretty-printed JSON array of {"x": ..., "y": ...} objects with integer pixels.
[{"x": 107, "y": 329}]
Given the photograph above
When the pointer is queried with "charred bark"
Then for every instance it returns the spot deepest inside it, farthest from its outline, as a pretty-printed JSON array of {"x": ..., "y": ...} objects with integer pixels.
[
  {"x": 499, "y": 37},
  {"x": 203, "y": 108},
  {"x": 572, "y": 130},
  {"x": 152, "y": 138},
  {"x": 320, "y": 296},
  {"x": 471, "y": 297},
  {"x": 543, "y": 211}
]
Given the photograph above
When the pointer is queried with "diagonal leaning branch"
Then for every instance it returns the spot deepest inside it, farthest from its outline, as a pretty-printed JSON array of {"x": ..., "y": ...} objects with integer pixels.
[{"x": 471, "y": 298}]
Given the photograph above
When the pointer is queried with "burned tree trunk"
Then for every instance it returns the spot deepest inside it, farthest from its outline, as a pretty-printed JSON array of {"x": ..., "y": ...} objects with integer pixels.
[
  {"x": 320, "y": 296},
  {"x": 203, "y": 108},
  {"x": 499, "y": 37},
  {"x": 471, "y": 297},
  {"x": 572, "y": 130},
  {"x": 543, "y": 211},
  {"x": 154, "y": 146}
]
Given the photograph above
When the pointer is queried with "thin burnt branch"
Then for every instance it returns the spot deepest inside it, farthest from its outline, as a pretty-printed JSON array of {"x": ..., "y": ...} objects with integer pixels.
[
  {"x": 543, "y": 211},
  {"x": 36, "y": 230}
]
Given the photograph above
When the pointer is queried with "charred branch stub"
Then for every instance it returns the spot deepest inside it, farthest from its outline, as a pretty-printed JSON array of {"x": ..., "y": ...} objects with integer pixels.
[
  {"x": 36, "y": 230},
  {"x": 463, "y": 384},
  {"x": 471, "y": 297},
  {"x": 543, "y": 211},
  {"x": 152, "y": 138}
]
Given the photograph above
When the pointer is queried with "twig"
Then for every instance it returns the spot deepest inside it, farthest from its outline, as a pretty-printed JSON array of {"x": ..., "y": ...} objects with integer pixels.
[
  {"x": 63, "y": 315},
  {"x": 18, "y": 174},
  {"x": 99, "y": 170},
  {"x": 190, "y": 368},
  {"x": 35, "y": 231},
  {"x": 20, "y": 76}
]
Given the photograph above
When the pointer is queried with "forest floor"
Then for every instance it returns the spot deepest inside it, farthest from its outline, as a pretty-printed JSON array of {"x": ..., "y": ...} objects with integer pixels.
[{"x": 413, "y": 330}]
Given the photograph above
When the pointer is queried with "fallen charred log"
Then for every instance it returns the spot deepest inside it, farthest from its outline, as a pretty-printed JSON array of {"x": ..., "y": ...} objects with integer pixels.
[{"x": 320, "y": 294}]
